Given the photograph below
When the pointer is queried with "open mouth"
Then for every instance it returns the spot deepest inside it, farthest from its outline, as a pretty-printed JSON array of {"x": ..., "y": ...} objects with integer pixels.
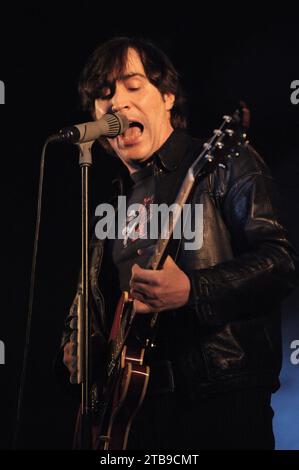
[
  {"x": 136, "y": 124},
  {"x": 132, "y": 135}
]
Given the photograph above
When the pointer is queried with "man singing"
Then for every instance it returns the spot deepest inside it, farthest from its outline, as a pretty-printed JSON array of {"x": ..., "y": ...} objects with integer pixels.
[{"x": 217, "y": 353}]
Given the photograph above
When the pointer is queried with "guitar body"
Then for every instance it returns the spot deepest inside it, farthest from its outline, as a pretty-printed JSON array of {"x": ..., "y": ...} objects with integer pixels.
[{"x": 127, "y": 389}]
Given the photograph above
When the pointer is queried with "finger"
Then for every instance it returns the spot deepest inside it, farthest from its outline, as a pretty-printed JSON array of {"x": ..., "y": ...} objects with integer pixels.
[
  {"x": 144, "y": 298},
  {"x": 73, "y": 348},
  {"x": 74, "y": 337},
  {"x": 144, "y": 289},
  {"x": 74, "y": 323},
  {"x": 74, "y": 363},
  {"x": 70, "y": 349},
  {"x": 147, "y": 276},
  {"x": 142, "y": 308},
  {"x": 67, "y": 360}
]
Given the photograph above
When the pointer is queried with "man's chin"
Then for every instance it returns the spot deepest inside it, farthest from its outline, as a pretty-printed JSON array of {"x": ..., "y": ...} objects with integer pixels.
[
  {"x": 138, "y": 161},
  {"x": 134, "y": 155}
]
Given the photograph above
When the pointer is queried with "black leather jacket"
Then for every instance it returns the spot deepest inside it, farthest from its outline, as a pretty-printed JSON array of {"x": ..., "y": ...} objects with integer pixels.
[{"x": 228, "y": 335}]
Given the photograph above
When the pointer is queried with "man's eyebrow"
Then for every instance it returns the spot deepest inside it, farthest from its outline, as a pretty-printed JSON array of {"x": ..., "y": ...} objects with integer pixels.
[{"x": 130, "y": 75}]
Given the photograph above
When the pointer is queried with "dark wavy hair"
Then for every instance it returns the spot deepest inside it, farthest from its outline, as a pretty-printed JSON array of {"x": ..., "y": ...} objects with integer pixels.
[{"x": 108, "y": 62}]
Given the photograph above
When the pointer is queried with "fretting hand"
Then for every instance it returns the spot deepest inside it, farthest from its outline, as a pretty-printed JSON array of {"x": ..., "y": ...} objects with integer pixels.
[{"x": 158, "y": 290}]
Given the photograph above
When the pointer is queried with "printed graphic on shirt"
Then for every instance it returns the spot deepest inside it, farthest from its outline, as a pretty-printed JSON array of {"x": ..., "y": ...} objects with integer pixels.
[{"x": 138, "y": 218}]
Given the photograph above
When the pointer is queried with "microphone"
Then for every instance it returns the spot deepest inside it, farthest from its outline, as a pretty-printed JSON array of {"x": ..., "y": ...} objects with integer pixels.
[{"x": 110, "y": 125}]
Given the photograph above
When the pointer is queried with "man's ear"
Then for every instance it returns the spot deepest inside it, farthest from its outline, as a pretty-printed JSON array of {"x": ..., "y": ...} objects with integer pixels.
[{"x": 169, "y": 100}]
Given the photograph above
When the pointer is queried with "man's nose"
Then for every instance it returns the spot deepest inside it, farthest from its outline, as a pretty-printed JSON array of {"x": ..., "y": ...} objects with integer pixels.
[{"x": 120, "y": 99}]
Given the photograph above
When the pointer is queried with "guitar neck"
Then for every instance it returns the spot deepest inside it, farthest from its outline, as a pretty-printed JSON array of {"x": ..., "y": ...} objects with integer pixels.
[{"x": 171, "y": 221}]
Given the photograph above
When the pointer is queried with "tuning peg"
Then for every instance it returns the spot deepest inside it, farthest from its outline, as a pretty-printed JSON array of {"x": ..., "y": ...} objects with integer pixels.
[
  {"x": 222, "y": 165},
  {"x": 209, "y": 157},
  {"x": 227, "y": 118},
  {"x": 219, "y": 145},
  {"x": 207, "y": 145},
  {"x": 230, "y": 132},
  {"x": 218, "y": 132}
]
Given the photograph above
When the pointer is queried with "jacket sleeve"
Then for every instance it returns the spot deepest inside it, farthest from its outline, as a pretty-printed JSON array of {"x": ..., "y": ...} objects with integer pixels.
[{"x": 263, "y": 270}]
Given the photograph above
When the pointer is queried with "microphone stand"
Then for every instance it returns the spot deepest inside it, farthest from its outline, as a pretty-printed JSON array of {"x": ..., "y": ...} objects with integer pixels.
[{"x": 84, "y": 322}]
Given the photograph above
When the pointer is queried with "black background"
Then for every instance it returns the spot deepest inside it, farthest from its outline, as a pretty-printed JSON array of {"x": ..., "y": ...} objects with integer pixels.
[{"x": 223, "y": 56}]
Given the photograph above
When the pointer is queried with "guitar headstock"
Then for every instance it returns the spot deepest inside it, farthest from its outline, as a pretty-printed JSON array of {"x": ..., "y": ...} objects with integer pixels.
[{"x": 225, "y": 141}]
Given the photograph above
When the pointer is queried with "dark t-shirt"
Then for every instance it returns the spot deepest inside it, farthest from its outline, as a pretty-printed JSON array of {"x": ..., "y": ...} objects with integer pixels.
[{"x": 135, "y": 244}]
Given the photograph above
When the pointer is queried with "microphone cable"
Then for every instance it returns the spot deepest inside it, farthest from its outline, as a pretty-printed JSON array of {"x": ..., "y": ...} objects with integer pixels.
[{"x": 30, "y": 302}]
